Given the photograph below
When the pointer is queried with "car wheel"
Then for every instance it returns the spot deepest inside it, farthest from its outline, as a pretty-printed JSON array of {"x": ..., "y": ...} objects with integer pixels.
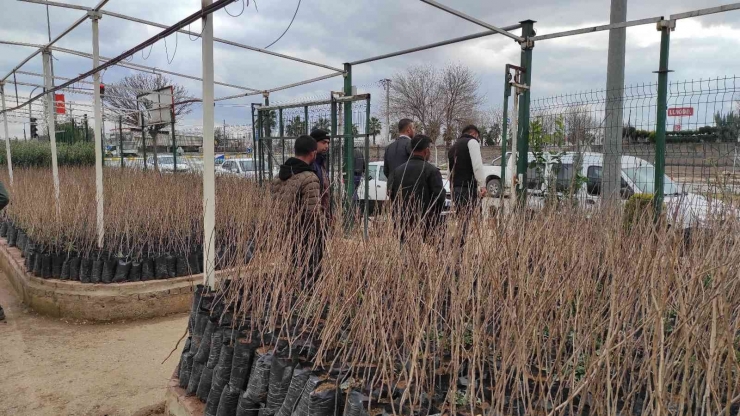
[{"x": 493, "y": 186}]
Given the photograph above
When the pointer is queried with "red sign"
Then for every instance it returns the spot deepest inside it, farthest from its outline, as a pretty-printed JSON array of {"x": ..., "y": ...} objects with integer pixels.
[
  {"x": 59, "y": 104},
  {"x": 681, "y": 112},
  {"x": 676, "y": 127}
]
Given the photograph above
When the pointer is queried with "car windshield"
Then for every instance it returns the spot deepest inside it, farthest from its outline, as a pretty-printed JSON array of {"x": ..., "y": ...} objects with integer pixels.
[
  {"x": 247, "y": 165},
  {"x": 166, "y": 160},
  {"x": 644, "y": 179}
]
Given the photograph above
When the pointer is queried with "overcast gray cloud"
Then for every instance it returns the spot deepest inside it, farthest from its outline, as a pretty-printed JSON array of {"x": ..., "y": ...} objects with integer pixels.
[{"x": 336, "y": 31}]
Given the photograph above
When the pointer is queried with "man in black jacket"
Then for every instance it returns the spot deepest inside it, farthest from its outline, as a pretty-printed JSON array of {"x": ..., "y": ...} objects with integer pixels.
[
  {"x": 466, "y": 176},
  {"x": 416, "y": 190},
  {"x": 399, "y": 152},
  {"x": 4, "y": 200}
]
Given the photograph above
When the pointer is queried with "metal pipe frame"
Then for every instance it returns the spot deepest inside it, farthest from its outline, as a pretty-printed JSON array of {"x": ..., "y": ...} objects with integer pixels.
[
  {"x": 78, "y": 22},
  {"x": 187, "y": 32},
  {"x": 136, "y": 67},
  {"x": 600, "y": 28},
  {"x": 473, "y": 20},
  {"x": 193, "y": 17},
  {"x": 359, "y": 97},
  {"x": 434, "y": 45}
]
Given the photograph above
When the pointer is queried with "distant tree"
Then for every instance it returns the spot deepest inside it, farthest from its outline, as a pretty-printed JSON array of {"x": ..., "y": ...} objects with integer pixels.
[
  {"x": 375, "y": 127},
  {"x": 121, "y": 99},
  {"x": 295, "y": 127},
  {"x": 728, "y": 126},
  {"x": 322, "y": 123}
]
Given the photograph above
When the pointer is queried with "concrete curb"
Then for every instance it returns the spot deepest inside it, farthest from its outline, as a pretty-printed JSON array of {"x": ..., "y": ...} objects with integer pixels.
[
  {"x": 177, "y": 404},
  {"x": 96, "y": 301}
]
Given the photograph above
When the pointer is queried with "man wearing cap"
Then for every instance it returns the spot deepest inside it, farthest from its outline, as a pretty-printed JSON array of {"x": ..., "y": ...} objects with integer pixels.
[
  {"x": 319, "y": 165},
  {"x": 417, "y": 191}
]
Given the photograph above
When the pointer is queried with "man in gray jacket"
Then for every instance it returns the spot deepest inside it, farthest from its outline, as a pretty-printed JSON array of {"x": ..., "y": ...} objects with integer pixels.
[
  {"x": 399, "y": 152},
  {"x": 4, "y": 200}
]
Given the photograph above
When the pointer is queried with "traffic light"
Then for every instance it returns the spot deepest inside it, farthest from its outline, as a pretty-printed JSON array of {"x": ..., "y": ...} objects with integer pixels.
[
  {"x": 34, "y": 131},
  {"x": 102, "y": 90}
]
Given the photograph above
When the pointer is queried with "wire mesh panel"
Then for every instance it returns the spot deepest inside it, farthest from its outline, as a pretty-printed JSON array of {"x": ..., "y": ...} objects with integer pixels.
[{"x": 568, "y": 145}]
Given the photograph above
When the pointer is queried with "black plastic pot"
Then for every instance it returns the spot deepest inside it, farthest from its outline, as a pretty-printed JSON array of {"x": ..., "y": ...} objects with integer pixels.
[
  {"x": 74, "y": 269},
  {"x": 147, "y": 269},
  {"x": 123, "y": 268},
  {"x": 37, "y": 265},
  {"x": 30, "y": 259},
  {"x": 96, "y": 272},
  {"x": 4, "y": 229},
  {"x": 160, "y": 267},
  {"x": 182, "y": 266},
  {"x": 56, "y": 266},
  {"x": 65, "y": 269},
  {"x": 12, "y": 235},
  {"x": 109, "y": 270},
  {"x": 85, "y": 270},
  {"x": 46, "y": 266},
  {"x": 171, "y": 266},
  {"x": 193, "y": 265},
  {"x": 134, "y": 275},
  {"x": 21, "y": 241}
]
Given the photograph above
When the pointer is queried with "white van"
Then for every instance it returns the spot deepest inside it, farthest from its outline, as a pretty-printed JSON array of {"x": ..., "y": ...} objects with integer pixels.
[{"x": 683, "y": 209}]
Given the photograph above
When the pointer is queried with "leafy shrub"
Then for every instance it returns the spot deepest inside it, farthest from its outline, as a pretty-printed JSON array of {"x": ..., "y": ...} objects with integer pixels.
[
  {"x": 38, "y": 154},
  {"x": 636, "y": 208}
]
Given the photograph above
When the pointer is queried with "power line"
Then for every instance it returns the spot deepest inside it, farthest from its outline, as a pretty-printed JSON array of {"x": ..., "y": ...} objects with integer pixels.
[
  {"x": 288, "y": 28},
  {"x": 240, "y": 13}
]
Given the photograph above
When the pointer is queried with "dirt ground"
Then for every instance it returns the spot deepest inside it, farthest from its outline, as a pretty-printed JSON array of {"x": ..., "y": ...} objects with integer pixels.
[{"x": 51, "y": 366}]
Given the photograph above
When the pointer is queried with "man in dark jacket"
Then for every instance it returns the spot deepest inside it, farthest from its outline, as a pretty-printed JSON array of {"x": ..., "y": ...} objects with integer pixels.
[
  {"x": 4, "y": 200},
  {"x": 417, "y": 191},
  {"x": 467, "y": 178},
  {"x": 399, "y": 152},
  {"x": 319, "y": 165},
  {"x": 297, "y": 189}
]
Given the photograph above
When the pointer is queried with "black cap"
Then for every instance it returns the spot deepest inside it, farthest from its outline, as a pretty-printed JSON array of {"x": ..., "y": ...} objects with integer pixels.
[{"x": 319, "y": 135}]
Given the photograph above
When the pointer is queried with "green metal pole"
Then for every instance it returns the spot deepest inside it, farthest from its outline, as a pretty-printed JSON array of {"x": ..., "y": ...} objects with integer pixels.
[
  {"x": 665, "y": 27},
  {"x": 504, "y": 131},
  {"x": 281, "y": 129},
  {"x": 523, "y": 124},
  {"x": 174, "y": 140},
  {"x": 268, "y": 142},
  {"x": 332, "y": 148},
  {"x": 349, "y": 144},
  {"x": 366, "y": 212},
  {"x": 120, "y": 138},
  {"x": 254, "y": 144},
  {"x": 259, "y": 151},
  {"x": 143, "y": 138},
  {"x": 305, "y": 117}
]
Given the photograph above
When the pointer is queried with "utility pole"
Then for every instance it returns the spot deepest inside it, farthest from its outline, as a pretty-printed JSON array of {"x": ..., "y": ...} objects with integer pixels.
[
  {"x": 51, "y": 126},
  {"x": 209, "y": 175},
  {"x": 387, "y": 84},
  {"x": 48, "y": 31},
  {"x": 611, "y": 183},
  {"x": 98, "y": 114}
]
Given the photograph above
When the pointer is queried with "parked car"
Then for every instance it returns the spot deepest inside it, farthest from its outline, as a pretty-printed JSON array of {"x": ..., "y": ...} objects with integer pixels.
[
  {"x": 166, "y": 163},
  {"x": 244, "y": 168},
  {"x": 378, "y": 187},
  {"x": 683, "y": 209}
]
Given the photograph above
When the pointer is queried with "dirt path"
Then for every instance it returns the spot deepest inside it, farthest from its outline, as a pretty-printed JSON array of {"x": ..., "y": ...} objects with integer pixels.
[{"x": 54, "y": 367}]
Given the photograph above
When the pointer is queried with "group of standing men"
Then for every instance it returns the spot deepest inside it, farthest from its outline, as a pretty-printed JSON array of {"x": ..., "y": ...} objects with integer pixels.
[{"x": 416, "y": 187}]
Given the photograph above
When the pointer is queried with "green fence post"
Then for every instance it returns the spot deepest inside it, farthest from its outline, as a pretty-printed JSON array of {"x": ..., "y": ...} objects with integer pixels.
[
  {"x": 305, "y": 115},
  {"x": 268, "y": 141},
  {"x": 174, "y": 140},
  {"x": 254, "y": 145},
  {"x": 259, "y": 150},
  {"x": 281, "y": 130},
  {"x": 504, "y": 131},
  {"x": 143, "y": 137},
  {"x": 120, "y": 138},
  {"x": 366, "y": 212},
  {"x": 349, "y": 145},
  {"x": 523, "y": 123},
  {"x": 665, "y": 27},
  {"x": 332, "y": 148}
]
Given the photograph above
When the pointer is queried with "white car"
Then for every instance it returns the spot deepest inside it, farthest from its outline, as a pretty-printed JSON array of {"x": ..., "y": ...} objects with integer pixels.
[
  {"x": 378, "y": 186},
  {"x": 244, "y": 168},
  {"x": 166, "y": 163},
  {"x": 685, "y": 210}
]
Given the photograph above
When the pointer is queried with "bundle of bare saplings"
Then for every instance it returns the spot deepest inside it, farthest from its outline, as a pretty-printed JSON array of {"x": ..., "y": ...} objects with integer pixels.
[
  {"x": 152, "y": 224},
  {"x": 556, "y": 313}
]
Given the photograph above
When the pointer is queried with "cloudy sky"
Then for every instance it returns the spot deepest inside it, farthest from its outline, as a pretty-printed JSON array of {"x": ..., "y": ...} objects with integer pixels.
[{"x": 337, "y": 31}]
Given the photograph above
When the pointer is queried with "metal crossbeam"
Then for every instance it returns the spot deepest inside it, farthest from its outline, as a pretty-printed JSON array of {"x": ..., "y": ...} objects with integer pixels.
[
  {"x": 56, "y": 39},
  {"x": 599, "y": 28},
  {"x": 704, "y": 12},
  {"x": 187, "y": 32},
  {"x": 473, "y": 20},
  {"x": 434, "y": 45}
]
